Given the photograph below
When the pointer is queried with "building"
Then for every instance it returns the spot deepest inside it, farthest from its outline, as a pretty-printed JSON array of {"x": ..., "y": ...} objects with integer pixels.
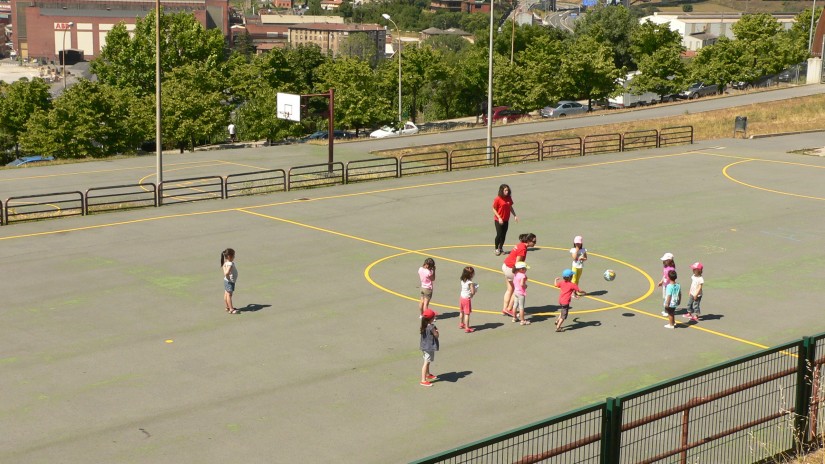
[
  {"x": 460, "y": 6},
  {"x": 330, "y": 36},
  {"x": 269, "y": 31},
  {"x": 701, "y": 29},
  {"x": 40, "y": 27}
]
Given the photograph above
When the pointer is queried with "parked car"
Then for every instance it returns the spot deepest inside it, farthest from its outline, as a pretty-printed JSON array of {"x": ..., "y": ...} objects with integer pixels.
[
  {"x": 324, "y": 135},
  {"x": 796, "y": 73},
  {"x": 761, "y": 81},
  {"x": 387, "y": 131},
  {"x": 505, "y": 114},
  {"x": 699, "y": 89},
  {"x": 562, "y": 109},
  {"x": 29, "y": 160}
]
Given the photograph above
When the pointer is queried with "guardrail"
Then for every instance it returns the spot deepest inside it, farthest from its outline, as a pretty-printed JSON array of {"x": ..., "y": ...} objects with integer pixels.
[
  {"x": 120, "y": 197},
  {"x": 746, "y": 410},
  {"x": 255, "y": 183},
  {"x": 524, "y": 152},
  {"x": 315, "y": 176},
  {"x": 424, "y": 163},
  {"x": 190, "y": 189},
  {"x": 372, "y": 169},
  {"x": 43, "y": 206},
  {"x": 474, "y": 157}
]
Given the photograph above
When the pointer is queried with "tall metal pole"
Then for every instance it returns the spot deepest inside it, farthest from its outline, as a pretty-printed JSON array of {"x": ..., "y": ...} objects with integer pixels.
[
  {"x": 158, "y": 144},
  {"x": 811, "y": 32},
  {"x": 490, "y": 91},
  {"x": 513, "y": 37},
  {"x": 69, "y": 26},
  {"x": 398, "y": 33}
]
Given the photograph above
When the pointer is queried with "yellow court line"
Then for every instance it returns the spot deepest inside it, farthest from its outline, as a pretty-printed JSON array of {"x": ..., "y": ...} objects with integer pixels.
[
  {"x": 611, "y": 305},
  {"x": 419, "y": 252},
  {"x": 756, "y": 187}
]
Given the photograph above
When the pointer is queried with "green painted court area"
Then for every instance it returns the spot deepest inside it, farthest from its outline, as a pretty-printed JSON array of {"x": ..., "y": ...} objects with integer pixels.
[{"x": 116, "y": 347}]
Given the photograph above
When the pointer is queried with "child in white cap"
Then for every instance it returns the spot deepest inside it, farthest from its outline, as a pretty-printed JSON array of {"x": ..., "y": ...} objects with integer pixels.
[
  {"x": 519, "y": 291},
  {"x": 579, "y": 255},
  {"x": 668, "y": 264},
  {"x": 695, "y": 294}
]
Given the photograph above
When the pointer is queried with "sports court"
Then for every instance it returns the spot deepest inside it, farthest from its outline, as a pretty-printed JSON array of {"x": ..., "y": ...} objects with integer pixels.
[{"x": 116, "y": 347}]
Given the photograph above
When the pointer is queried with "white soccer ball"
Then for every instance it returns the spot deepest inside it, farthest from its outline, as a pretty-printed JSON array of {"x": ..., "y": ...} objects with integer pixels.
[{"x": 609, "y": 275}]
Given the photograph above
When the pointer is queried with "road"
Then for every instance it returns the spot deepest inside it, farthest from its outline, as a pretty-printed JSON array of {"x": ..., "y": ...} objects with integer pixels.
[{"x": 80, "y": 176}]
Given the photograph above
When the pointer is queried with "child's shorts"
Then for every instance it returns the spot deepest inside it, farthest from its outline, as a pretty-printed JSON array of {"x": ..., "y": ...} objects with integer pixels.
[
  {"x": 427, "y": 293},
  {"x": 670, "y": 311},
  {"x": 228, "y": 286},
  {"x": 518, "y": 302},
  {"x": 465, "y": 305},
  {"x": 429, "y": 356},
  {"x": 564, "y": 311}
]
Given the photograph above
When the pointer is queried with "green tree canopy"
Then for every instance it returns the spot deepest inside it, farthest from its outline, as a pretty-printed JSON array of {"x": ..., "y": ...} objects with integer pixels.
[
  {"x": 18, "y": 101},
  {"x": 128, "y": 60},
  {"x": 612, "y": 26}
]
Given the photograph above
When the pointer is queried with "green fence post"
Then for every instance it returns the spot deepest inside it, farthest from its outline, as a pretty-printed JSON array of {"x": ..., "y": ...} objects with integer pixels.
[
  {"x": 611, "y": 431},
  {"x": 804, "y": 375}
]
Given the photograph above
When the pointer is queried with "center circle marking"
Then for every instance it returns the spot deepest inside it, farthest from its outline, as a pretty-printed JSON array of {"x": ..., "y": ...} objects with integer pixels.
[{"x": 611, "y": 305}]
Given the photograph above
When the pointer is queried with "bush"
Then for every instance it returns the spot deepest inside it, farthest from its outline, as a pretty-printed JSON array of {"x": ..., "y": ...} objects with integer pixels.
[{"x": 687, "y": 8}]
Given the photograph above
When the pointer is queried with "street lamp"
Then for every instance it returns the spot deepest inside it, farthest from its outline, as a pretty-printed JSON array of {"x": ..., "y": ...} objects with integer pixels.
[
  {"x": 490, "y": 90},
  {"x": 398, "y": 33},
  {"x": 65, "y": 28}
]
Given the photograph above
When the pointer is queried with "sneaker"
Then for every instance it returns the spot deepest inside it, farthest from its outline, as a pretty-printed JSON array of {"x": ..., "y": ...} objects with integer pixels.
[
  {"x": 425, "y": 383},
  {"x": 461, "y": 326},
  {"x": 687, "y": 316},
  {"x": 664, "y": 313},
  {"x": 694, "y": 318},
  {"x": 432, "y": 377},
  {"x": 508, "y": 313},
  {"x": 668, "y": 326},
  {"x": 497, "y": 252},
  {"x": 469, "y": 330}
]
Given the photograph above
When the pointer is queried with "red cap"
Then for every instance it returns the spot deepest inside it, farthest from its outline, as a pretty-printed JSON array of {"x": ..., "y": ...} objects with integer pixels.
[
  {"x": 429, "y": 314},
  {"x": 697, "y": 265}
]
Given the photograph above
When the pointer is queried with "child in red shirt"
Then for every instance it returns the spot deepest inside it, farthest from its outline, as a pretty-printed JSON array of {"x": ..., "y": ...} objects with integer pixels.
[{"x": 567, "y": 290}]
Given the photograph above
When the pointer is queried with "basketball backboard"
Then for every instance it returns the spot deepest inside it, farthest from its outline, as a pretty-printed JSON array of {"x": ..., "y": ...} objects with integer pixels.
[{"x": 289, "y": 106}]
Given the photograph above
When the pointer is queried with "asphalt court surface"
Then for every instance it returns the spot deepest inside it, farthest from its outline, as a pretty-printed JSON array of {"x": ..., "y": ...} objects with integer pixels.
[{"x": 116, "y": 348}]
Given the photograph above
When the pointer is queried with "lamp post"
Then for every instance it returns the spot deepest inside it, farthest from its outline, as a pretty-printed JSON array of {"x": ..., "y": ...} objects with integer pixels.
[
  {"x": 490, "y": 91},
  {"x": 66, "y": 28},
  {"x": 398, "y": 33},
  {"x": 811, "y": 32}
]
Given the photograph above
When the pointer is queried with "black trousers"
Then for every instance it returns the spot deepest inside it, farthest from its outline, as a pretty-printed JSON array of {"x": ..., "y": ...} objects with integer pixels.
[{"x": 501, "y": 234}]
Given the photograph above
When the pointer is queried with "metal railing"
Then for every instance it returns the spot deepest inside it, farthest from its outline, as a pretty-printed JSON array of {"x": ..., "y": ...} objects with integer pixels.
[
  {"x": 121, "y": 197},
  {"x": 254, "y": 183},
  {"x": 746, "y": 410}
]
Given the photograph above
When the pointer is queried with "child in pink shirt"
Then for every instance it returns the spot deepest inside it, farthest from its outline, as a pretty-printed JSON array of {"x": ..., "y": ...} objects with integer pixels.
[{"x": 520, "y": 291}]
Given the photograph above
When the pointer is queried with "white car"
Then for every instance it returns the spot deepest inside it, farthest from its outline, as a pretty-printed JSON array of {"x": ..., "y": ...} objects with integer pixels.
[{"x": 387, "y": 131}]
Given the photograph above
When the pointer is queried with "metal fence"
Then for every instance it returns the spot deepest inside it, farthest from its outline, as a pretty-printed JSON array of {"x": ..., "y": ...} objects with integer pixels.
[
  {"x": 747, "y": 410},
  {"x": 120, "y": 197}
]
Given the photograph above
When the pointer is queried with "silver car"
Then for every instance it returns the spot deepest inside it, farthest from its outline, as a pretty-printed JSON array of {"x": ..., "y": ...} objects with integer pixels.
[{"x": 562, "y": 109}]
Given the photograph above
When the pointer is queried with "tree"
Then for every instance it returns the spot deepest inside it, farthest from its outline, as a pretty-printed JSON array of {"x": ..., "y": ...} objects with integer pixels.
[
  {"x": 720, "y": 63},
  {"x": 766, "y": 47},
  {"x": 539, "y": 66},
  {"x": 91, "y": 119},
  {"x": 657, "y": 52},
  {"x": 612, "y": 26},
  {"x": 128, "y": 59},
  {"x": 357, "y": 102},
  {"x": 421, "y": 67},
  {"x": 242, "y": 44},
  {"x": 18, "y": 101},
  {"x": 193, "y": 107},
  {"x": 257, "y": 119},
  {"x": 587, "y": 70}
]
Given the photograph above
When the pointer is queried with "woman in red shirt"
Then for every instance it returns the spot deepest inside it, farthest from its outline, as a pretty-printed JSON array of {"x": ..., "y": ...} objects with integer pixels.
[
  {"x": 502, "y": 209},
  {"x": 519, "y": 253}
]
